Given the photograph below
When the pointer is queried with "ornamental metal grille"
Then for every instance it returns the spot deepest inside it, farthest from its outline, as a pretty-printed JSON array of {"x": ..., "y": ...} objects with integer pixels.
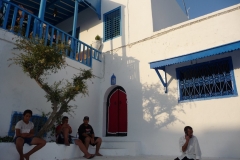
[
  {"x": 209, "y": 79},
  {"x": 38, "y": 122},
  {"x": 112, "y": 22}
]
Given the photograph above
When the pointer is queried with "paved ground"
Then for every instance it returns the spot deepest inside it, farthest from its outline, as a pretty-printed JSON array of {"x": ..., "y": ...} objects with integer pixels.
[
  {"x": 143, "y": 158},
  {"x": 128, "y": 158}
]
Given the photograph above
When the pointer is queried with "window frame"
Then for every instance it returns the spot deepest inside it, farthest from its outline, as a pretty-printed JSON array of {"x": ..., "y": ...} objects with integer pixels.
[
  {"x": 120, "y": 23},
  {"x": 233, "y": 82}
]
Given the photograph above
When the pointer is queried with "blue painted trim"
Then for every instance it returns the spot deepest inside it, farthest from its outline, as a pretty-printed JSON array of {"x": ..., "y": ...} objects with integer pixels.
[
  {"x": 104, "y": 15},
  {"x": 196, "y": 55},
  {"x": 229, "y": 59},
  {"x": 113, "y": 38},
  {"x": 208, "y": 98},
  {"x": 161, "y": 79},
  {"x": 232, "y": 75},
  {"x": 42, "y": 9}
]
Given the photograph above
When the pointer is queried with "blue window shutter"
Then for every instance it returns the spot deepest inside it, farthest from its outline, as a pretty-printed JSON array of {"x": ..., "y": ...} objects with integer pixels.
[{"x": 112, "y": 24}]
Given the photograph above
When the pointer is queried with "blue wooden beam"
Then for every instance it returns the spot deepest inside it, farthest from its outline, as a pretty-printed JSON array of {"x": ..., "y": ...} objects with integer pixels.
[
  {"x": 52, "y": 3},
  {"x": 161, "y": 79}
]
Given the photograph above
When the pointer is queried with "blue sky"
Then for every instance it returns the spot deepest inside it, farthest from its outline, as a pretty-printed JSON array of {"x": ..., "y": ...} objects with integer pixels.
[{"x": 202, "y": 7}]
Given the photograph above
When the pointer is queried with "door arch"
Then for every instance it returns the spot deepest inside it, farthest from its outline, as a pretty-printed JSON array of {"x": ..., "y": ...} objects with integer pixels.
[{"x": 117, "y": 113}]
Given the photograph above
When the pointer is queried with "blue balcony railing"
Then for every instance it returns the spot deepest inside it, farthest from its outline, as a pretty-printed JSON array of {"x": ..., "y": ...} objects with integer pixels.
[{"x": 18, "y": 20}]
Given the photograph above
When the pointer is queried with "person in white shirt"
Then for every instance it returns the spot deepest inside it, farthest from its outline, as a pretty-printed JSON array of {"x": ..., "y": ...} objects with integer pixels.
[
  {"x": 189, "y": 146},
  {"x": 24, "y": 133}
]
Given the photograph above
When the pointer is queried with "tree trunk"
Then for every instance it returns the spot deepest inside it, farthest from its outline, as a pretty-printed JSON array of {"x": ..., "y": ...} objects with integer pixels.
[{"x": 50, "y": 122}]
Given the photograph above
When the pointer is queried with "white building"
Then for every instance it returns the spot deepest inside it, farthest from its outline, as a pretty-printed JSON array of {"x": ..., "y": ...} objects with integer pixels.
[{"x": 200, "y": 58}]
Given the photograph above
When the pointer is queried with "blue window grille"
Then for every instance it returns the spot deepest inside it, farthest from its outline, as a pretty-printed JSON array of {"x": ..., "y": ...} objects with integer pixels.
[
  {"x": 112, "y": 24},
  {"x": 207, "y": 80},
  {"x": 38, "y": 122}
]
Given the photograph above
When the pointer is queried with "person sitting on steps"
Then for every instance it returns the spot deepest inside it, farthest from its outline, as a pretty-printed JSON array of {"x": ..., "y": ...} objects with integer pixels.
[
  {"x": 63, "y": 136},
  {"x": 24, "y": 133},
  {"x": 86, "y": 135},
  {"x": 189, "y": 146}
]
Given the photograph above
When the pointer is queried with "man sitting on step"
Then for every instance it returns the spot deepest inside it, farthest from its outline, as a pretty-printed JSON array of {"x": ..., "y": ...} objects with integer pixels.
[
  {"x": 86, "y": 135},
  {"x": 189, "y": 146},
  {"x": 63, "y": 136}
]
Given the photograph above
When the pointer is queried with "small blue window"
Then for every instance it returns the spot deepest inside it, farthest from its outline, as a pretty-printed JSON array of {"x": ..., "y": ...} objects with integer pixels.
[
  {"x": 112, "y": 24},
  {"x": 207, "y": 80},
  {"x": 38, "y": 122}
]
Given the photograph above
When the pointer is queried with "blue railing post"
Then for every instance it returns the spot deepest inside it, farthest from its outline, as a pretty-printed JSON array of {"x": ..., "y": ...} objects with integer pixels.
[
  {"x": 28, "y": 25},
  {"x": 90, "y": 57},
  {"x": 74, "y": 29},
  {"x": 6, "y": 16},
  {"x": 14, "y": 17},
  {"x": 84, "y": 52},
  {"x": 46, "y": 35}
]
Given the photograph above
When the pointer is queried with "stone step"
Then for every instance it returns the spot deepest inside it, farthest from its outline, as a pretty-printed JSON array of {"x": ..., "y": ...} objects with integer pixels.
[
  {"x": 132, "y": 148},
  {"x": 111, "y": 151}
]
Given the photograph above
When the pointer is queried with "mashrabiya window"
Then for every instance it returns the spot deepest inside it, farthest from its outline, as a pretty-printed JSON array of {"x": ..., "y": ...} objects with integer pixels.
[{"x": 206, "y": 80}]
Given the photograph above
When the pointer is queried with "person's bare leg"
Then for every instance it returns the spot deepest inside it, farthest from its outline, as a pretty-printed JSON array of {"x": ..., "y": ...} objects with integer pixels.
[
  {"x": 83, "y": 148},
  {"x": 65, "y": 135},
  {"x": 39, "y": 144},
  {"x": 87, "y": 141},
  {"x": 19, "y": 147},
  {"x": 98, "y": 145}
]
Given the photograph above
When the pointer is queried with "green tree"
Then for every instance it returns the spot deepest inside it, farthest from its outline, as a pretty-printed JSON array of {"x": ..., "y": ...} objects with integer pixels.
[{"x": 39, "y": 61}]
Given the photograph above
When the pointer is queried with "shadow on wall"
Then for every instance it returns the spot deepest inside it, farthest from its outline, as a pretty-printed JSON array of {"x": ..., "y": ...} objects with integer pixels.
[
  {"x": 126, "y": 70},
  {"x": 158, "y": 107},
  {"x": 128, "y": 67}
]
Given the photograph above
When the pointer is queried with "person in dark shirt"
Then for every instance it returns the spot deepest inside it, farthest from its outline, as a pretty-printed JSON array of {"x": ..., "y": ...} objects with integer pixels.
[
  {"x": 86, "y": 135},
  {"x": 63, "y": 137}
]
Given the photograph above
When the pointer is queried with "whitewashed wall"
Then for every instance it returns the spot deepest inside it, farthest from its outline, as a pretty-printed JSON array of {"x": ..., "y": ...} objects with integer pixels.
[
  {"x": 157, "y": 119},
  {"x": 18, "y": 92},
  {"x": 139, "y": 20}
]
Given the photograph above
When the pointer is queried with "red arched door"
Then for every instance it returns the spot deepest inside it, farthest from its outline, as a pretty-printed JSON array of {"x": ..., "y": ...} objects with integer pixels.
[{"x": 117, "y": 112}]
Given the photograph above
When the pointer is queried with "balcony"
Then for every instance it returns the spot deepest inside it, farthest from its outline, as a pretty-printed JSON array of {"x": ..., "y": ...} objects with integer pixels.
[{"x": 19, "y": 20}]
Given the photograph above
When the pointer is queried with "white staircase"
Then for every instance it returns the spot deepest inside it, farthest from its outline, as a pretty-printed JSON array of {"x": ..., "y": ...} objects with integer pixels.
[
  {"x": 53, "y": 151},
  {"x": 118, "y": 148}
]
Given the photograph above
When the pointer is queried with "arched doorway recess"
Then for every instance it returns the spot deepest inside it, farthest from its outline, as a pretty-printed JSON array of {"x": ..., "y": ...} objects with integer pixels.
[{"x": 116, "y": 112}]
